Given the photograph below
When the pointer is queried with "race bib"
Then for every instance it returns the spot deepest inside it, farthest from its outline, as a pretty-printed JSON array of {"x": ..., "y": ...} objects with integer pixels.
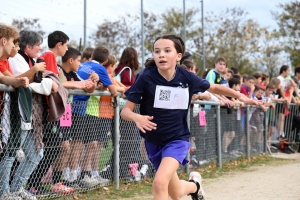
[{"x": 171, "y": 98}]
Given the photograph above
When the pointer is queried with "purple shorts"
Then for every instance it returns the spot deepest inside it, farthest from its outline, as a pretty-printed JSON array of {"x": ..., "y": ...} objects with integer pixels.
[{"x": 177, "y": 149}]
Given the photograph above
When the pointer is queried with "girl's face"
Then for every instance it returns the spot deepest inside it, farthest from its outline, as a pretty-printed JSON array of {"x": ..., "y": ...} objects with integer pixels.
[{"x": 165, "y": 54}]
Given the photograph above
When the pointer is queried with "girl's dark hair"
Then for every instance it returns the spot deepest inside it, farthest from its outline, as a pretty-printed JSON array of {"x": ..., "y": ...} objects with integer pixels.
[
  {"x": 189, "y": 64},
  {"x": 283, "y": 68},
  {"x": 178, "y": 44},
  {"x": 130, "y": 58}
]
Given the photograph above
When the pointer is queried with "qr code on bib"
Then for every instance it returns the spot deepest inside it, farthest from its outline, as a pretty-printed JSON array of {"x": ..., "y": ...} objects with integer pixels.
[{"x": 164, "y": 95}]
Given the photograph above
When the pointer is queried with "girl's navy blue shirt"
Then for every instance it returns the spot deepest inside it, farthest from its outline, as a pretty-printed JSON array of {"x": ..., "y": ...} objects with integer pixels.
[{"x": 171, "y": 123}]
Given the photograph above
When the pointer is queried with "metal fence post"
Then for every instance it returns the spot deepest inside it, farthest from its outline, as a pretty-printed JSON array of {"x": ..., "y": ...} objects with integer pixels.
[
  {"x": 187, "y": 168},
  {"x": 117, "y": 143},
  {"x": 218, "y": 115},
  {"x": 266, "y": 130},
  {"x": 247, "y": 131}
]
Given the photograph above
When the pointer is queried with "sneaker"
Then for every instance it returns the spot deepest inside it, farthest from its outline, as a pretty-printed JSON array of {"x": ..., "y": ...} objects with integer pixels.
[
  {"x": 285, "y": 150},
  {"x": 273, "y": 150},
  {"x": 289, "y": 148},
  {"x": 88, "y": 182},
  {"x": 62, "y": 189},
  {"x": 144, "y": 170},
  {"x": 197, "y": 179},
  {"x": 10, "y": 196},
  {"x": 66, "y": 174},
  {"x": 25, "y": 195}
]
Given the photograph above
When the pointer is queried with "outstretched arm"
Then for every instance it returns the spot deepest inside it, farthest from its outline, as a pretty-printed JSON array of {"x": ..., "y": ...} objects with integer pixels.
[
  {"x": 222, "y": 90},
  {"x": 15, "y": 82}
]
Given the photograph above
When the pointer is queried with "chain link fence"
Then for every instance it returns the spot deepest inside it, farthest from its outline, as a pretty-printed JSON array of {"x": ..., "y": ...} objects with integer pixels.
[{"x": 98, "y": 148}]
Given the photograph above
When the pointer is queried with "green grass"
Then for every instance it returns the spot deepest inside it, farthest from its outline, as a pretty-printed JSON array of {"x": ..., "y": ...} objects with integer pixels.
[{"x": 143, "y": 189}]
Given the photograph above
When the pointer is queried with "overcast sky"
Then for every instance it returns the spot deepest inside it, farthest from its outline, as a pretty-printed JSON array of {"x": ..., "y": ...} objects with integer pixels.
[{"x": 67, "y": 15}]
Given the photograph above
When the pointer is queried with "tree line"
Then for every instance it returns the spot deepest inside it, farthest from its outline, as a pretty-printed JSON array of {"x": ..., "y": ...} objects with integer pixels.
[{"x": 231, "y": 33}]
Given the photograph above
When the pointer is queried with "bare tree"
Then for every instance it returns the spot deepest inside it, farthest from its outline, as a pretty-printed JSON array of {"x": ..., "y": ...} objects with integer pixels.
[{"x": 29, "y": 24}]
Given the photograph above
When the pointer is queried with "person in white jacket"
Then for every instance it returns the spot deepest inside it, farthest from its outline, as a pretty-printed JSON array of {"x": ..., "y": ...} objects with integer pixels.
[{"x": 23, "y": 65}]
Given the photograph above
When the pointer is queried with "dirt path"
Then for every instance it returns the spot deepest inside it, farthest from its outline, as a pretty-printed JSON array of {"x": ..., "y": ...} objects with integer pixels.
[{"x": 259, "y": 183}]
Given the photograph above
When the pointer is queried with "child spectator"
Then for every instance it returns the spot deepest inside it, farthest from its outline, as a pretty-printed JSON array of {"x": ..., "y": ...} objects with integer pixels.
[
  {"x": 6, "y": 70},
  {"x": 98, "y": 59},
  {"x": 106, "y": 114},
  {"x": 248, "y": 88},
  {"x": 239, "y": 77},
  {"x": 267, "y": 99},
  {"x": 264, "y": 80},
  {"x": 23, "y": 65},
  {"x": 58, "y": 45},
  {"x": 87, "y": 54},
  {"x": 235, "y": 84},
  {"x": 129, "y": 59},
  {"x": 235, "y": 70},
  {"x": 68, "y": 154},
  {"x": 186, "y": 56},
  {"x": 244, "y": 78},
  {"x": 229, "y": 123},
  {"x": 258, "y": 78},
  {"x": 189, "y": 65},
  {"x": 286, "y": 83},
  {"x": 228, "y": 75},
  {"x": 215, "y": 77}
]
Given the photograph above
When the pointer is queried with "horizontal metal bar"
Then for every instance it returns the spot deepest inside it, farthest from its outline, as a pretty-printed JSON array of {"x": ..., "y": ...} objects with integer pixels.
[{"x": 8, "y": 88}]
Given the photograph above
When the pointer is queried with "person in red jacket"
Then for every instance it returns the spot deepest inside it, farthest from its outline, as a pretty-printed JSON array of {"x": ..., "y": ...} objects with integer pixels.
[{"x": 129, "y": 58}]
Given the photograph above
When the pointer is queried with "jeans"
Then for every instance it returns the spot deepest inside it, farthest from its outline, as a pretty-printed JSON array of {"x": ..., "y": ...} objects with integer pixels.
[{"x": 26, "y": 167}]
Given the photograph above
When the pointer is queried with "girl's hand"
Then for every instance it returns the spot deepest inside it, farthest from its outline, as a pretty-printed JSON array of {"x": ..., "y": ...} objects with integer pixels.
[{"x": 143, "y": 122}]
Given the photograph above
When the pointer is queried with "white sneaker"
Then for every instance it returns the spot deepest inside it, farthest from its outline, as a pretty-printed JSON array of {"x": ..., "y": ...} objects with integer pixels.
[
  {"x": 144, "y": 170},
  {"x": 196, "y": 178},
  {"x": 10, "y": 196},
  {"x": 89, "y": 182},
  {"x": 66, "y": 174},
  {"x": 25, "y": 195}
]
